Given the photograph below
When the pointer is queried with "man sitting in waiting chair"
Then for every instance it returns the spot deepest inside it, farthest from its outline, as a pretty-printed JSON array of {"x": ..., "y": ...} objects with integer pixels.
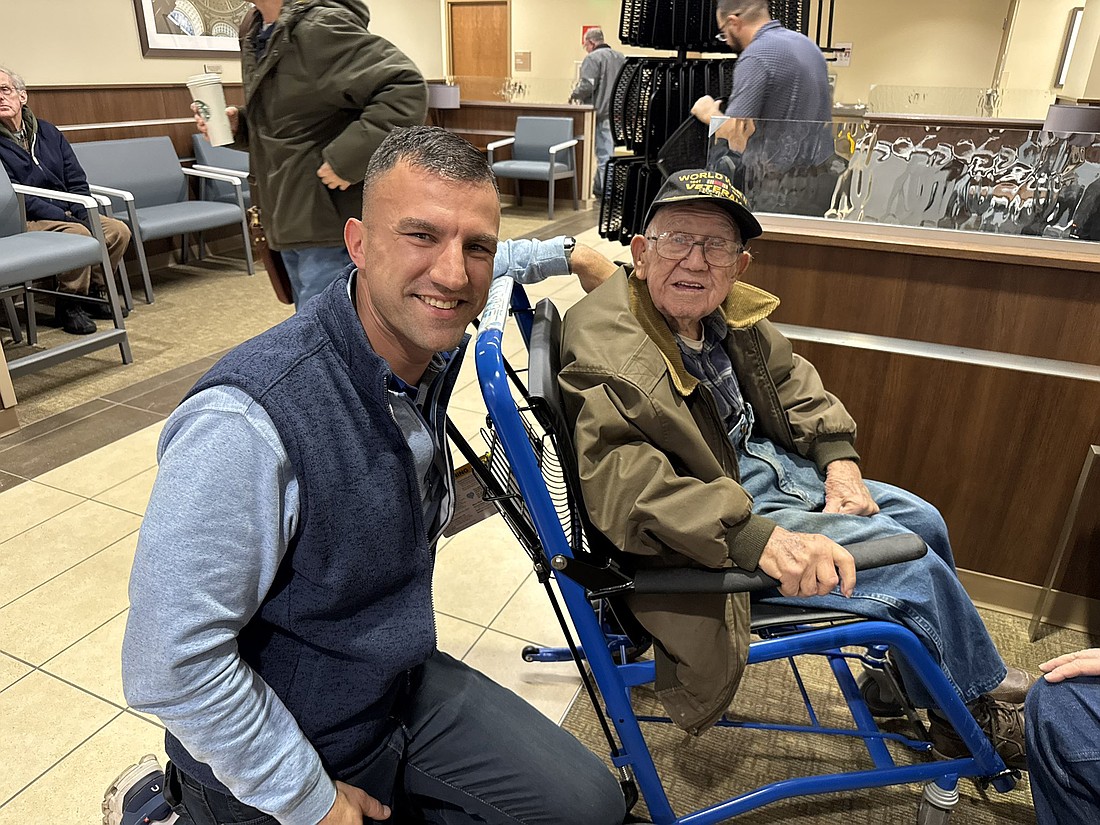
[
  {"x": 703, "y": 439},
  {"x": 35, "y": 153}
]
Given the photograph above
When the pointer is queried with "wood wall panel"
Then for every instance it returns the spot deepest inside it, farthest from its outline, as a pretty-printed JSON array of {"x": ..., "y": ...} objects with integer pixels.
[
  {"x": 79, "y": 106},
  {"x": 1039, "y": 311},
  {"x": 998, "y": 451}
]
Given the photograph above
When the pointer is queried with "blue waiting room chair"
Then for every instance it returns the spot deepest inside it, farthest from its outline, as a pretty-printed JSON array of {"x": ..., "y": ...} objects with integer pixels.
[
  {"x": 148, "y": 190},
  {"x": 26, "y": 257},
  {"x": 544, "y": 148}
]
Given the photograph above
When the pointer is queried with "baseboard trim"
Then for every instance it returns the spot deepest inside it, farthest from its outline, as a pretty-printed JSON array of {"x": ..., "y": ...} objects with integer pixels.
[{"x": 1019, "y": 599}]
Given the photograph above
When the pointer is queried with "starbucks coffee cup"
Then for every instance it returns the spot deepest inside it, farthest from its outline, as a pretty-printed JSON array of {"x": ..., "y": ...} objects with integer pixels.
[{"x": 206, "y": 92}]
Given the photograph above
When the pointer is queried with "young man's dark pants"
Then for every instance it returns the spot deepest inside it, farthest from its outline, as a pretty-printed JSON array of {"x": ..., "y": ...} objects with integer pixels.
[{"x": 466, "y": 751}]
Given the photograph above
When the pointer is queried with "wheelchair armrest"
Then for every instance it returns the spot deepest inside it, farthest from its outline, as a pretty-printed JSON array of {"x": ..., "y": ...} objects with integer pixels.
[{"x": 867, "y": 554}]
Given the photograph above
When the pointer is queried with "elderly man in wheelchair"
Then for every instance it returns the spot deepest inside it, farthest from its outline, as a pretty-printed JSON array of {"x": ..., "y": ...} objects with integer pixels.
[{"x": 702, "y": 439}]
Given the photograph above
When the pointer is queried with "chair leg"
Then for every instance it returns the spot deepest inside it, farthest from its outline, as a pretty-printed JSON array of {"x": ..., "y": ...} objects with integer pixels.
[
  {"x": 144, "y": 263},
  {"x": 576, "y": 200},
  {"x": 519, "y": 192},
  {"x": 13, "y": 321},
  {"x": 550, "y": 198},
  {"x": 32, "y": 321},
  {"x": 185, "y": 249},
  {"x": 202, "y": 245},
  {"x": 247, "y": 247},
  {"x": 124, "y": 280}
]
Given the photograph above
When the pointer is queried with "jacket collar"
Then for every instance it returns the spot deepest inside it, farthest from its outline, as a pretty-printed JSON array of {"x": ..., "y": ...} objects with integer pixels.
[
  {"x": 30, "y": 128},
  {"x": 744, "y": 306}
]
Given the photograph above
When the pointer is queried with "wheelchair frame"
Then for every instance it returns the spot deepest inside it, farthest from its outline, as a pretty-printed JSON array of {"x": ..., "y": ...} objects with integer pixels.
[{"x": 525, "y": 497}]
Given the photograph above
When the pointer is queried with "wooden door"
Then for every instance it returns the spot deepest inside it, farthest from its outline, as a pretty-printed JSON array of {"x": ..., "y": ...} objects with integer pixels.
[{"x": 479, "y": 34}]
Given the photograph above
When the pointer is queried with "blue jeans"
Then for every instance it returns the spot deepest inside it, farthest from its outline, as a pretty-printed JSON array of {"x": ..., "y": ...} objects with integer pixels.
[
  {"x": 1063, "y": 750},
  {"x": 605, "y": 148},
  {"x": 313, "y": 268},
  {"x": 924, "y": 595},
  {"x": 465, "y": 751}
]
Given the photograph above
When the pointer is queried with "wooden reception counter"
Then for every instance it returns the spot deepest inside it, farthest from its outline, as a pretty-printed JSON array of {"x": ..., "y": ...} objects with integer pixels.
[{"x": 972, "y": 363}]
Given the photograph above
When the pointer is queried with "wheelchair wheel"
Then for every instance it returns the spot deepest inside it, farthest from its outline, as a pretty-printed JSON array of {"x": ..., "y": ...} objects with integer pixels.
[
  {"x": 936, "y": 804},
  {"x": 529, "y": 653},
  {"x": 884, "y": 706},
  {"x": 929, "y": 814}
]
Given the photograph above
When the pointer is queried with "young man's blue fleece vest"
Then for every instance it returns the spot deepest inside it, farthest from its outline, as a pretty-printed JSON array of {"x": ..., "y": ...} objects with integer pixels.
[{"x": 350, "y": 609}]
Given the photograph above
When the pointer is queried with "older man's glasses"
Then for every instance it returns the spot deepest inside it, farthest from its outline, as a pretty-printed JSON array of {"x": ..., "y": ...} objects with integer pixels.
[
  {"x": 8, "y": 91},
  {"x": 675, "y": 246}
]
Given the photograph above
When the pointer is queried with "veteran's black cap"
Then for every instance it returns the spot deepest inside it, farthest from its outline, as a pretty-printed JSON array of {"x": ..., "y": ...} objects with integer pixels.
[{"x": 701, "y": 186}]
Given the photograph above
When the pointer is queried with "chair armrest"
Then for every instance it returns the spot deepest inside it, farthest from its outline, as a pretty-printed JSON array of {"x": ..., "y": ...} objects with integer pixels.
[
  {"x": 202, "y": 173},
  {"x": 107, "y": 190},
  {"x": 84, "y": 200},
  {"x": 221, "y": 170},
  {"x": 557, "y": 147},
  {"x": 497, "y": 144},
  {"x": 601, "y": 581},
  {"x": 867, "y": 554},
  {"x": 102, "y": 200}
]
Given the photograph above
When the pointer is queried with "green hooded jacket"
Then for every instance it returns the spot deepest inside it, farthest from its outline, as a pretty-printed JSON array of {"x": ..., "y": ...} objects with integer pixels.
[{"x": 325, "y": 90}]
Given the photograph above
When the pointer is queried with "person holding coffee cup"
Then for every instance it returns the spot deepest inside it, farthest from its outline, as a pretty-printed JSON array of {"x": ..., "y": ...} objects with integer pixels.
[{"x": 321, "y": 93}]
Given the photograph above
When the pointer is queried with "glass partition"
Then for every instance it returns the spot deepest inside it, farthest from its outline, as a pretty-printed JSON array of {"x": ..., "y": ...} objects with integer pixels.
[
  {"x": 1009, "y": 181},
  {"x": 960, "y": 101},
  {"x": 520, "y": 88}
]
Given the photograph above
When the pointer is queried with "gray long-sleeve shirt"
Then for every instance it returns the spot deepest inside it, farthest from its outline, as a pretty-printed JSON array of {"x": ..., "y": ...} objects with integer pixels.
[
  {"x": 223, "y": 510},
  {"x": 599, "y": 71}
]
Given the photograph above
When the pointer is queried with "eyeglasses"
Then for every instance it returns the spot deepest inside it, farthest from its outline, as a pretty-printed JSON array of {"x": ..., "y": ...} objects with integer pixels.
[
  {"x": 675, "y": 246},
  {"x": 8, "y": 91}
]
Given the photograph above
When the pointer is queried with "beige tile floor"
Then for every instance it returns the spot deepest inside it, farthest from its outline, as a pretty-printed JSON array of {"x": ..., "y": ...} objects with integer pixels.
[{"x": 67, "y": 541}]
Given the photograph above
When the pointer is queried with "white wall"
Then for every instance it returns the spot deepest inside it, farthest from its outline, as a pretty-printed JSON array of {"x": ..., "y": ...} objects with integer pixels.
[
  {"x": 89, "y": 42},
  {"x": 932, "y": 43}
]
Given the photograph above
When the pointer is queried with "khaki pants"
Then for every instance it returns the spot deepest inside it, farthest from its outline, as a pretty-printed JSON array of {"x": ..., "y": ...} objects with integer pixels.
[{"x": 115, "y": 233}]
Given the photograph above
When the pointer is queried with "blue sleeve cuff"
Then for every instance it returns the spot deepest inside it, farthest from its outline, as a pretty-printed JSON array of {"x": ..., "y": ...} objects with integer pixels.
[{"x": 529, "y": 262}]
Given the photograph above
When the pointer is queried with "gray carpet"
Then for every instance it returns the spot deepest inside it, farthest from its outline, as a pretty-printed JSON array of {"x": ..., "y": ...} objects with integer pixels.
[{"x": 724, "y": 762}]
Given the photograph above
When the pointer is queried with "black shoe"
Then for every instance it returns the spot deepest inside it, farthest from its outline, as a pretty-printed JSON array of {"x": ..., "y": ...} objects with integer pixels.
[
  {"x": 103, "y": 310},
  {"x": 72, "y": 318}
]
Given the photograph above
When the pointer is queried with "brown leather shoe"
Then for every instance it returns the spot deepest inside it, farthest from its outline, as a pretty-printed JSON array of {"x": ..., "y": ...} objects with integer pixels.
[
  {"x": 1002, "y": 722},
  {"x": 1014, "y": 687}
]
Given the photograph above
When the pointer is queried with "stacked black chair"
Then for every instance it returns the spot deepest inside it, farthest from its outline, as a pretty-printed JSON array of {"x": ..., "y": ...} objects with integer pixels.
[{"x": 653, "y": 97}]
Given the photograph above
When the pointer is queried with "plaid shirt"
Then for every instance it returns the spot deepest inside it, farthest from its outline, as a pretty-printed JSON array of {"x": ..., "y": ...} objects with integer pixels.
[{"x": 714, "y": 369}]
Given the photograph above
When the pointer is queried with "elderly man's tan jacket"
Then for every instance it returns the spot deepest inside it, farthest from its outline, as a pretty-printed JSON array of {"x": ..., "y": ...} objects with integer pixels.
[{"x": 659, "y": 474}]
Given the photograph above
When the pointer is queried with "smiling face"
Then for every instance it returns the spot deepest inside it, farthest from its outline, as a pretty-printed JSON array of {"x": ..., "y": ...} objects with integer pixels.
[
  {"x": 11, "y": 104},
  {"x": 424, "y": 251},
  {"x": 690, "y": 289}
]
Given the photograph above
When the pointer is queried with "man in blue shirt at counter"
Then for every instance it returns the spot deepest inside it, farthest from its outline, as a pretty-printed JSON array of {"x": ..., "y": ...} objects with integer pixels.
[
  {"x": 282, "y": 625},
  {"x": 780, "y": 76}
]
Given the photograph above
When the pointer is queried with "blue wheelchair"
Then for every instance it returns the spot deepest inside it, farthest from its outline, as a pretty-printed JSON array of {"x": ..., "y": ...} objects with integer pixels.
[{"x": 530, "y": 473}]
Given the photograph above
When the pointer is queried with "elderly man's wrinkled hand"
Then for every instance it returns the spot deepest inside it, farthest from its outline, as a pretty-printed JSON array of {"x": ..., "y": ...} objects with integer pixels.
[
  {"x": 1071, "y": 665},
  {"x": 807, "y": 564},
  {"x": 845, "y": 491}
]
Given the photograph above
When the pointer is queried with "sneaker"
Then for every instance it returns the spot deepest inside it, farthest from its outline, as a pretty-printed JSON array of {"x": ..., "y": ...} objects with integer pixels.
[
  {"x": 1002, "y": 722},
  {"x": 72, "y": 318},
  {"x": 103, "y": 310},
  {"x": 136, "y": 797}
]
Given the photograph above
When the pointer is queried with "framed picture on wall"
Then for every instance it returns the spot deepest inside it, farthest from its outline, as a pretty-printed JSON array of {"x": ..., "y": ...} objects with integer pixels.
[{"x": 189, "y": 28}]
